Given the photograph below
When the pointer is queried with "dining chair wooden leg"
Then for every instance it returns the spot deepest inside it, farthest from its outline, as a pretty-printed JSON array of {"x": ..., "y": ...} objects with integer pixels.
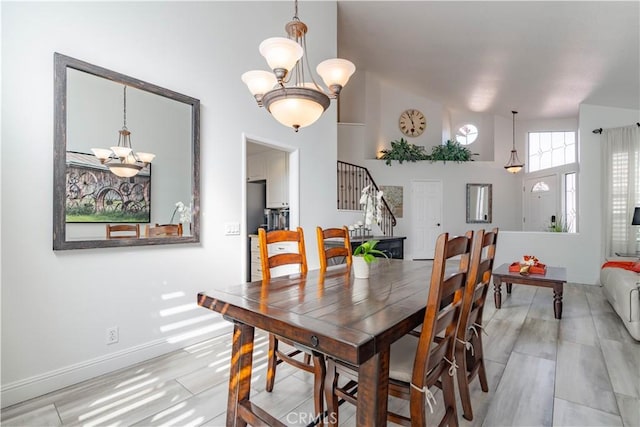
[
  {"x": 448, "y": 393},
  {"x": 479, "y": 357},
  {"x": 307, "y": 359},
  {"x": 272, "y": 362},
  {"x": 462, "y": 375},
  {"x": 417, "y": 409},
  {"x": 330, "y": 385}
]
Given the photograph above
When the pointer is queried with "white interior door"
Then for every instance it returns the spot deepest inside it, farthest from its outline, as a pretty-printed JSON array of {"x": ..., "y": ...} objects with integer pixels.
[
  {"x": 541, "y": 202},
  {"x": 426, "y": 216}
]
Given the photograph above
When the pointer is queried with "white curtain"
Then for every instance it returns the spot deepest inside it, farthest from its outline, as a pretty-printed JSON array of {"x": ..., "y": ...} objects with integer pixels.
[{"x": 621, "y": 188}]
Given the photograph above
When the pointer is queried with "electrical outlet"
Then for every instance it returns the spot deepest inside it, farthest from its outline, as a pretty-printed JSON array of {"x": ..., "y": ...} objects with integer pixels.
[{"x": 112, "y": 335}]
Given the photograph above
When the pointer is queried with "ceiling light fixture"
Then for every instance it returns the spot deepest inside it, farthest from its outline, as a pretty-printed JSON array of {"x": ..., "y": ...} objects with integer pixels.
[
  {"x": 301, "y": 103},
  {"x": 122, "y": 160},
  {"x": 514, "y": 165}
]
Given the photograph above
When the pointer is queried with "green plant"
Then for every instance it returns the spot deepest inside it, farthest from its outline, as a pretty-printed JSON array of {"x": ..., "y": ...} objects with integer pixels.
[
  {"x": 367, "y": 250},
  {"x": 402, "y": 150},
  {"x": 560, "y": 226},
  {"x": 451, "y": 151}
]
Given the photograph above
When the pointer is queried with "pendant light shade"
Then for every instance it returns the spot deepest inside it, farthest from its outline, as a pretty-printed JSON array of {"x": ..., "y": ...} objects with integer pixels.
[{"x": 514, "y": 165}]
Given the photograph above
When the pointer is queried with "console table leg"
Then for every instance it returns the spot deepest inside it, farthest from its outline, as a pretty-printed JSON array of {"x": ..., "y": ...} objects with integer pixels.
[
  {"x": 497, "y": 294},
  {"x": 557, "y": 301},
  {"x": 509, "y": 285}
]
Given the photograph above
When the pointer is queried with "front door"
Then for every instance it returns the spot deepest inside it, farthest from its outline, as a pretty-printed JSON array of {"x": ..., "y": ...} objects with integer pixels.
[
  {"x": 426, "y": 224},
  {"x": 541, "y": 202}
]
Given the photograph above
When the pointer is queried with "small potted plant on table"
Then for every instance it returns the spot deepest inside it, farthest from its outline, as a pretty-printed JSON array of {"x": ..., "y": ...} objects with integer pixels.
[{"x": 363, "y": 256}]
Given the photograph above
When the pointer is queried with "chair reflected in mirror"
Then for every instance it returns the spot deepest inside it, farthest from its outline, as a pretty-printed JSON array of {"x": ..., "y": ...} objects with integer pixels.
[
  {"x": 123, "y": 231},
  {"x": 165, "y": 230}
]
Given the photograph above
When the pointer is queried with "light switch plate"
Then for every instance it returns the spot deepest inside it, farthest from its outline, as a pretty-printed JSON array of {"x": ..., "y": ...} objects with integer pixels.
[{"x": 232, "y": 228}]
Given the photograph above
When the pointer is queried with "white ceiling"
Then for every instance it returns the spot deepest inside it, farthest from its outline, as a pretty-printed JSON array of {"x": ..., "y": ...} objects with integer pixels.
[{"x": 540, "y": 58}]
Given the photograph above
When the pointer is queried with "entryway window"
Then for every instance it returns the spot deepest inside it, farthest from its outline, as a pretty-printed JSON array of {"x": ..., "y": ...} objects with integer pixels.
[{"x": 550, "y": 149}]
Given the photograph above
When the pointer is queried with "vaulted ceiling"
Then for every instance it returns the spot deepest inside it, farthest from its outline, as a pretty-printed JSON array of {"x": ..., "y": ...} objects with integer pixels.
[{"x": 540, "y": 58}]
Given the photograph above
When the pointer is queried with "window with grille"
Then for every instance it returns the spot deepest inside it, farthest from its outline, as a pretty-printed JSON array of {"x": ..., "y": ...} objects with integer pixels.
[{"x": 551, "y": 149}]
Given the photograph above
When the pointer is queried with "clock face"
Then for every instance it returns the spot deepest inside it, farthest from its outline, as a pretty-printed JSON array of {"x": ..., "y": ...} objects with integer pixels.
[{"x": 412, "y": 122}]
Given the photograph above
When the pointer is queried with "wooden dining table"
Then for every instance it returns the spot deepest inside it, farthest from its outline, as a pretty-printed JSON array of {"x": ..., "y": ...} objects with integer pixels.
[{"x": 348, "y": 319}]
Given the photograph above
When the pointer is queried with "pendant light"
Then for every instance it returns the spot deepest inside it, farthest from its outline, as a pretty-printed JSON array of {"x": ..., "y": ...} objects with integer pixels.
[
  {"x": 285, "y": 92},
  {"x": 514, "y": 165},
  {"x": 121, "y": 159}
]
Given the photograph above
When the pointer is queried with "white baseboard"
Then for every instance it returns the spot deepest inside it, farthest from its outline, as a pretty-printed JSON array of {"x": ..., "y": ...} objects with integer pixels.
[{"x": 39, "y": 385}]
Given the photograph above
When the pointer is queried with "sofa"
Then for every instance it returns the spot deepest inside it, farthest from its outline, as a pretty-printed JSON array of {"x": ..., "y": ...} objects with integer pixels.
[{"x": 621, "y": 285}]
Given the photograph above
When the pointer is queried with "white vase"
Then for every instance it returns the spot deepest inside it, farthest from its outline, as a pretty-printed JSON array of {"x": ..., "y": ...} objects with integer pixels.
[{"x": 360, "y": 268}]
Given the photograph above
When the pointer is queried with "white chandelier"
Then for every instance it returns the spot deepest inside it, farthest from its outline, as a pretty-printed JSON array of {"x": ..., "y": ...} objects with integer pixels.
[
  {"x": 122, "y": 160},
  {"x": 302, "y": 102}
]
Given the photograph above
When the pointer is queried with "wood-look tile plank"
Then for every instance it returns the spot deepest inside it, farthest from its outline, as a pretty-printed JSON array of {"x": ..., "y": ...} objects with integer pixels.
[
  {"x": 122, "y": 407},
  {"x": 45, "y": 416},
  {"x": 580, "y": 330},
  {"x": 609, "y": 326},
  {"x": 525, "y": 394},
  {"x": 571, "y": 414},
  {"x": 629, "y": 410},
  {"x": 502, "y": 335},
  {"x": 623, "y": 364},
  {"x": 598, "y": 303},
  {"x": 581, "y": 377},
  {"x": 538, "y": 338},
  {"x": 480, "y": 401},
  {"x": 192, "y": 411}
]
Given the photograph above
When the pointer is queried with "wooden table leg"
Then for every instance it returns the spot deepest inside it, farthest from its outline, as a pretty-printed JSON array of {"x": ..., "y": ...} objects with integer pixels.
[
  {"x": 509, "y": 285},
  {"x": 373, "y": 387},
  {"x": 497, "y": 293},
  {"x": 240, "y": 372},
  {"x": 557, "y": 300}
]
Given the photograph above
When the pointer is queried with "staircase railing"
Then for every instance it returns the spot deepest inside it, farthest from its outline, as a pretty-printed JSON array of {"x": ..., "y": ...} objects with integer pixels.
[{"x": 351, "y": 180}]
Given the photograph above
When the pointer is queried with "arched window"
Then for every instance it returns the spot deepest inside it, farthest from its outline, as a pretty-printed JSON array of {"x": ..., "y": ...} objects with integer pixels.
[
  {"x": 467, "y": 134},
  {"x": 539, "y": 186}
]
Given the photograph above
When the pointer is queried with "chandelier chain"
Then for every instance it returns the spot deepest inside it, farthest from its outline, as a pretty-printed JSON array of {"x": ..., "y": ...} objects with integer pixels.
[{"x": 124, "y": 112}]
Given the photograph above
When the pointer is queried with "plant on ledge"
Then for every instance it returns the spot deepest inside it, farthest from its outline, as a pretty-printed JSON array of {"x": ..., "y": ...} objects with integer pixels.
[
  {"x": 402, "y": 150},
  {"x": 451, "y": 151}
]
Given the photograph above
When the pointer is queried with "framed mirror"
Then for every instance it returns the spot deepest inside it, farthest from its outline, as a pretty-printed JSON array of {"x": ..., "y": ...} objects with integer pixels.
[
  {"x": 479, "y": 198},
  {"x": 97, "y": 108}
]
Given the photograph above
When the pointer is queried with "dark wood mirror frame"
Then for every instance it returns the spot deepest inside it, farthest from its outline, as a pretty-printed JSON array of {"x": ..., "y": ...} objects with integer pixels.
[
  {"x": 61, "y": 64},
  {"x": 471, "y": 204}
]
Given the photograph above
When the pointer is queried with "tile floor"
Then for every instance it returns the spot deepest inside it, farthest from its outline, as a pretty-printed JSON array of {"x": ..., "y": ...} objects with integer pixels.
[{"x": 582, "y": 370}]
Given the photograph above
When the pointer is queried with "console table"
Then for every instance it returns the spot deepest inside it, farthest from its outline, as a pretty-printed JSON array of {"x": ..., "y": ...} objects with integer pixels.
[{"x": 555, "y": 278}]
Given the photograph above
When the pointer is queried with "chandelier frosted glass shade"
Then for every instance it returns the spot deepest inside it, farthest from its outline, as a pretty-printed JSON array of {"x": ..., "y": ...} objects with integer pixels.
[
  {"x": 124, "y": 170},
  {"x": 514, "y": 165},
  {"x": 281, "y": 53},
  {"x": 335, "y": 72},
  {"x": 296, "y": 107},
  {"x": 259, "y": 82}
]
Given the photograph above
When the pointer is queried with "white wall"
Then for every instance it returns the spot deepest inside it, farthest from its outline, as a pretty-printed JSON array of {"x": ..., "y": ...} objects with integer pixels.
[{"x": 56, "y": 306}]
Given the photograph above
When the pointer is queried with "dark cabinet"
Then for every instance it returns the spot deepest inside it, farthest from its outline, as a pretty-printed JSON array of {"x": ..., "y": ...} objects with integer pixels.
[{"x": 392, "y": 246}]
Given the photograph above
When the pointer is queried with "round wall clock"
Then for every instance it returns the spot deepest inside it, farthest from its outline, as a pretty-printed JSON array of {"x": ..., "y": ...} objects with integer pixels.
[{"x": 412, "y": 122}]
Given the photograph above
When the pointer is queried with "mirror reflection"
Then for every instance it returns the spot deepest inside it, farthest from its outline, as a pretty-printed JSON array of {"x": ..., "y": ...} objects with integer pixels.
[
  {"x": 479, "y": 203},
  {"x": 107, "y": 124}
]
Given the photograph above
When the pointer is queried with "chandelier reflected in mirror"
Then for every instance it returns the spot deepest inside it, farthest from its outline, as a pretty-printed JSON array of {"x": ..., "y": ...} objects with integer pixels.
[
  {"x": 121, "y": 159},
  {"x": 285, "y": 92},
  {"x": 514, "y": 165}
]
